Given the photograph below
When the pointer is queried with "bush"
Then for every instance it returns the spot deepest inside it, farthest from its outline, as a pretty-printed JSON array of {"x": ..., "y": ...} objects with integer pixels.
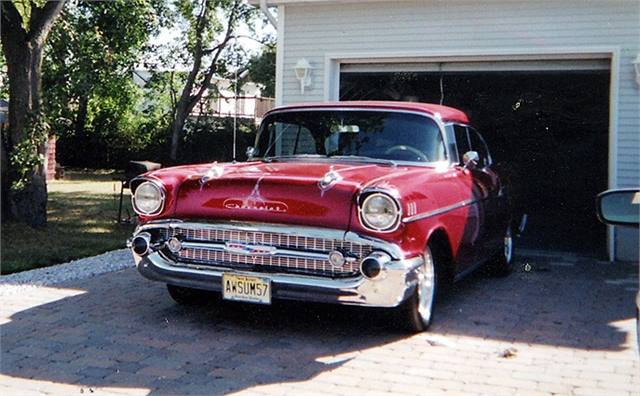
[
  {"x": 205, "y": 140},
  {"x": 211, "y": 139}
]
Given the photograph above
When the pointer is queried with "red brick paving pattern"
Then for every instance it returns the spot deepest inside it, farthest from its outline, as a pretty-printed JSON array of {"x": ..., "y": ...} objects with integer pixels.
[{"x": 565, "y": 327}]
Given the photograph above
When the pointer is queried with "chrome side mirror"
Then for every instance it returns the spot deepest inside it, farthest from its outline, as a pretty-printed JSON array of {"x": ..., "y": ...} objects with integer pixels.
[
  {"x": 619, "y": 207},
  {"x": 470, "y": 159},
  {"x": 251, "y": 151}
]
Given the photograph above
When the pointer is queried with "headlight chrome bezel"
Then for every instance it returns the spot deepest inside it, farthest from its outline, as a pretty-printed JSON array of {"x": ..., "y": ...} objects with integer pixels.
[
  {"x": 161, "y": 202},
  {"x": 367, "y": 196}
]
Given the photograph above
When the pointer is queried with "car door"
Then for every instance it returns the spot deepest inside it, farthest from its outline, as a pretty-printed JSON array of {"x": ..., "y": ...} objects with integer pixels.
[
  {"x": 493, "y": 201},
  {"x": 471, "y": 196}
]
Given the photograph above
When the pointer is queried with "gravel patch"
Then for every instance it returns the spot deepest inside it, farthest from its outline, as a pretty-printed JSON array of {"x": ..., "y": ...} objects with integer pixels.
[{"x": 78, "y": 269}]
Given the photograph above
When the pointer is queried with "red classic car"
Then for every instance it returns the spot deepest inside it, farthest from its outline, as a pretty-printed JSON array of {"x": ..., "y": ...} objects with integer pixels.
[{"x": 377, "y": 204}]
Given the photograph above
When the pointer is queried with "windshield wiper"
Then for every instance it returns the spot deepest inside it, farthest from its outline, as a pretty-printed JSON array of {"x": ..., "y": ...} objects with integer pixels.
[{"x": 362, "y": 158}]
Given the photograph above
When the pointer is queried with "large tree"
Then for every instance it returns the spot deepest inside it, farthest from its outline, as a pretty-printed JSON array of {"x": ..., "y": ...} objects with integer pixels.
[
  {"x": 210, "y": 26},
  {"x": 24, "y": 27}
]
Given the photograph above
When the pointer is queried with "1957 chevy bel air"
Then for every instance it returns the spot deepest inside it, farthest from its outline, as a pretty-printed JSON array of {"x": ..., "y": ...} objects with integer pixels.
[{"x": 378, "y": 204}]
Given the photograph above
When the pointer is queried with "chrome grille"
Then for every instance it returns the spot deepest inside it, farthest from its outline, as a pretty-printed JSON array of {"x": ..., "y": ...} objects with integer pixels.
[
  {"x": 280, "y": 240},
  {"x": 312, "y": 266},
  {"x": 282, "y": 263}
]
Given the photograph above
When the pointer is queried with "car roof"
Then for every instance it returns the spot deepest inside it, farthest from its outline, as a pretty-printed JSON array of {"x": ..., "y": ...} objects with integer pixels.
[{"x": 446, "y": 113}]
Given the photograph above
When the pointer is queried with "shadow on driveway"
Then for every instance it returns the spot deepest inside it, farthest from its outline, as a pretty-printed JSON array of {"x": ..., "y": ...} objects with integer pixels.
[{"x": 126, "y": 332}]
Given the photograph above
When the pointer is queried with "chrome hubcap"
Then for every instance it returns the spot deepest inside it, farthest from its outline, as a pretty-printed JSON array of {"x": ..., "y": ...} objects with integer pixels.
[
  {"x": 508, "y": 247},
  {"x": 426, "y": 287}
]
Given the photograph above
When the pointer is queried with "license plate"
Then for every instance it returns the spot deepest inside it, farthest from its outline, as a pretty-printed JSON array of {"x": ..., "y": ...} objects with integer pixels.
[{"x": 246, "y": 288}]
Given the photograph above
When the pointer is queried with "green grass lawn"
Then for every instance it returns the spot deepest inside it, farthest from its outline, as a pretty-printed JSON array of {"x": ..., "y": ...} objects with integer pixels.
[{"x": 82, "y": 212}]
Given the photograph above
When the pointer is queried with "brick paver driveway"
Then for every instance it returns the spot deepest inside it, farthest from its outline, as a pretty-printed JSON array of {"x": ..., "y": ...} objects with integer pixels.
[{"x": 564, "y": 327}]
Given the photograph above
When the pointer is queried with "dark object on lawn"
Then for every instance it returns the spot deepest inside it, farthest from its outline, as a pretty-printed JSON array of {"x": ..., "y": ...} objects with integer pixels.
[
  {"x": 136, "y": 168},
  {"x": 133, "y": 169}
]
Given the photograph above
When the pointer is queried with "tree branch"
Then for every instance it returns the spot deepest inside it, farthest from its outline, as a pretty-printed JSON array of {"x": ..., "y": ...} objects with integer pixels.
[
  {"x": 42, "y": 19},
  {"x": 218, "y": 51},
  {"x": 172, "y": 92},
  {"x": 197, "y": 56},
  {"x": 11, "y": 20},
  {"x": 257, "y": 40}
]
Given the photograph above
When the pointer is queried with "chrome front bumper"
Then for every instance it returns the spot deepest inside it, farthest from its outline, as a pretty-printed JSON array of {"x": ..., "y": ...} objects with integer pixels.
[
  {"x": 396, "y": 282},
  {"x": 390, "y": 289}
]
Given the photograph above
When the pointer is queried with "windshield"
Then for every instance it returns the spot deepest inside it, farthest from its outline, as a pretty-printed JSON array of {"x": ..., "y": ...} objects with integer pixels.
[{"x": 384, "y": 135}]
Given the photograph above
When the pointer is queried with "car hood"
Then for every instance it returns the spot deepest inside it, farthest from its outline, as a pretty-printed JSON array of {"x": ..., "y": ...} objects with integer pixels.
[{"x": 314, "y": 193}]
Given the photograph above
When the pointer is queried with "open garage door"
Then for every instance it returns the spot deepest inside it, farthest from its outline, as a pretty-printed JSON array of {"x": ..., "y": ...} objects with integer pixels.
[{"x": 546, "y": 122}]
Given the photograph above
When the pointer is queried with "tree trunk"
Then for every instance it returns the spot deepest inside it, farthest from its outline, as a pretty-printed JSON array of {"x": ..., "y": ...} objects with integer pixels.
[
  {"x": 188, "y": 99},
  {"x": 177, "y": 125},
  {"x": 29, "y": 204},
  {"x": 23, "y": 52},
  {"x": 81, "y": 117},
  {"x": 4, "y": 177}
]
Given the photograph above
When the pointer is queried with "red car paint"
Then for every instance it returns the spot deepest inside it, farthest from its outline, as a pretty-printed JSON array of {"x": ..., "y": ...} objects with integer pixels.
[
  {"x": 446, "y": 113},
  {"x": 289, "y": 192}
]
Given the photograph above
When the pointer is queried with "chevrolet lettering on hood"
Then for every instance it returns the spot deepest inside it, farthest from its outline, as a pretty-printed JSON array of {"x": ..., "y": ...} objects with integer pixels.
[
  {"x": 377, "y": 204},
  {"x": 255, "y": 202},
  {"x": 248, "y": 204}
]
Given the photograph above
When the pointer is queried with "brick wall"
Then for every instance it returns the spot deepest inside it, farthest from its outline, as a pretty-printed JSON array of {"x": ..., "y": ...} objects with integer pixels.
[{"x": 51, "y": 159}]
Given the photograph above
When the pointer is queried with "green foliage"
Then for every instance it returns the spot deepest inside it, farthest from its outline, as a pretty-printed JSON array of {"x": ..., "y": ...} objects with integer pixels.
[
  {"x": 209, "y": 139},
  {"x": 89, "y": 93},
  {"x": 208, "y": 25},
  {"x": 24, "y": 9},
  {"x": 262, "y": 69},
  {"x": 157, "y": 112},
  {"x": 25, "y": 157},
  {"x": 102, "y": 118}
]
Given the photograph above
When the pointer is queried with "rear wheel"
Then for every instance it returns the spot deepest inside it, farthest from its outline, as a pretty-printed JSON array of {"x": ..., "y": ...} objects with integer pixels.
[
  {"x": 502, "y": 263},
  {"x": 188, "y": 296},
  {"x": 415, "y": 314}
]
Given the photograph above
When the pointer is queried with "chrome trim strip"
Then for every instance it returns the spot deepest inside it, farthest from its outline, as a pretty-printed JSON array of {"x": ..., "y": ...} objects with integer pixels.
[
  {"x": 304, "y": 280},
  {"x": 221, "y": 247},
  {"x": 348, "y": 236},
  {"x": 298, "y": 279},
  {"x": 436, "y": 212}
]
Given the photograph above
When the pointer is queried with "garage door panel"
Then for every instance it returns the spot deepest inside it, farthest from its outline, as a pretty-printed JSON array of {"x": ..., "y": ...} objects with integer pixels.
[{"x": 484, "y": 66}]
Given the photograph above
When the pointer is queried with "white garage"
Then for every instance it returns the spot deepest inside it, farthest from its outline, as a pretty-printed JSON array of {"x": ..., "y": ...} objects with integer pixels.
[{"x": 552, "y": 84}]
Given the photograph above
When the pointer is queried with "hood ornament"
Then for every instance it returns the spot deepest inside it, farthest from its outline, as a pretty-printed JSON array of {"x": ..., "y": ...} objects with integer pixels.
[
  {"x": 328, "y": 180},
  {"x": 216, "y": 171}
]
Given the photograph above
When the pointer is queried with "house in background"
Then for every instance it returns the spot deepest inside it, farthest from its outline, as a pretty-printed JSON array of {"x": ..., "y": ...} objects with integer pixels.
[
  {"x": 553, "y": 85},
  {"x": 249, "y": 103}
]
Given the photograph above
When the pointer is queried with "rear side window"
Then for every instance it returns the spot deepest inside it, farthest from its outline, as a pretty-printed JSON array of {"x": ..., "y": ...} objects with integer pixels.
[
  {"x": 462, "y": 141},
  {"x": 478, "y": 145},
  {"x": 468, "y": 139}
]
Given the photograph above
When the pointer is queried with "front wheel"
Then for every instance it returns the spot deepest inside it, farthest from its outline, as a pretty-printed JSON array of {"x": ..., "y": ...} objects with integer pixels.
[
  {"x": 416, "y": 313},
  {"x": 188, "y": 296}
]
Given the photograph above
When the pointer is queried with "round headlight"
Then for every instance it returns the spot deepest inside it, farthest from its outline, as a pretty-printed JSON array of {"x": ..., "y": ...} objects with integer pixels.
[
  {"x": 148, "y": 198},
  {"x": 380, "y": 212}
]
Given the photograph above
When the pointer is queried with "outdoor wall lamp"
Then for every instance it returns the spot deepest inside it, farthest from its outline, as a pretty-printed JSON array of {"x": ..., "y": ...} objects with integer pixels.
[
  {"x": 636, "y": 65},
  {"x": 303, "y": 73}
]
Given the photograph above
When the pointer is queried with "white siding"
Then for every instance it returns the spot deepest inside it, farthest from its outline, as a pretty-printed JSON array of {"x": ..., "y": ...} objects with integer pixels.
[{"x": 315, "y": 31}]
